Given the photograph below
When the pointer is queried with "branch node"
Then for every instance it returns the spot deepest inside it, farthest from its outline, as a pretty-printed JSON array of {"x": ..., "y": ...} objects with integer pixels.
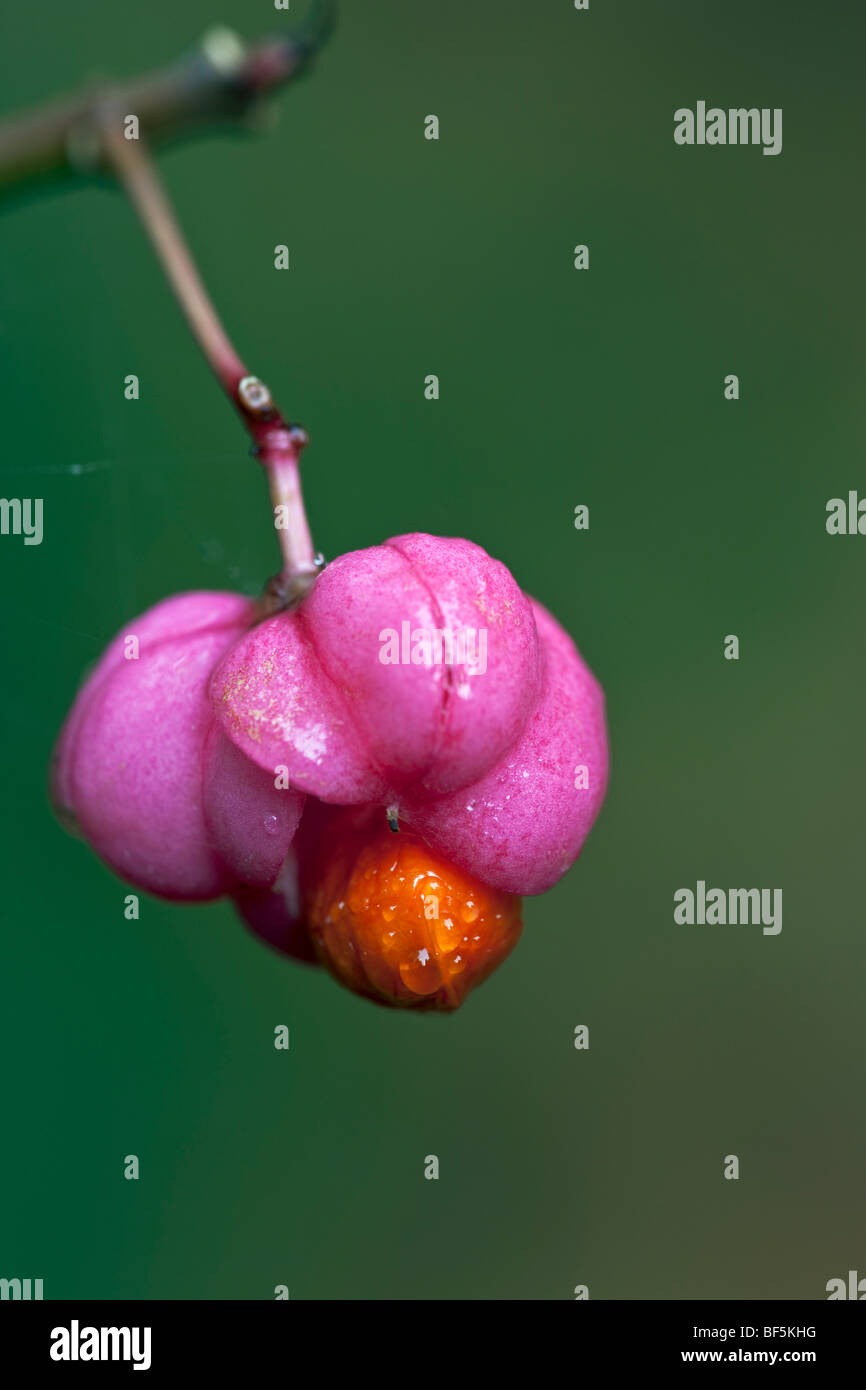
[{"x": 255, "y": 396}]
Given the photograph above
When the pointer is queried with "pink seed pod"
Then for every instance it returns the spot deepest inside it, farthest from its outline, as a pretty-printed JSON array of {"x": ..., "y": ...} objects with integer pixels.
[
  {"x": 414, "y": 678},
  {"x": 500, "y": 765}
]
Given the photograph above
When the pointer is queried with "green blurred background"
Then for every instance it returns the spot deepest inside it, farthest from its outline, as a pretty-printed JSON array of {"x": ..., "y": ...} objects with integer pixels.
[{"x": 558, "y": 387}]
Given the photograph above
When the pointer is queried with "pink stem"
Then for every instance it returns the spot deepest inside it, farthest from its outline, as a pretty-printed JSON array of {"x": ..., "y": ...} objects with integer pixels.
[{"x": 277, "y": 444}]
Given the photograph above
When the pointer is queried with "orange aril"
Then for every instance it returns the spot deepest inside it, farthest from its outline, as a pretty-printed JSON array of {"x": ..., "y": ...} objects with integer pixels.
[{"x": 396, "y": 922}]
